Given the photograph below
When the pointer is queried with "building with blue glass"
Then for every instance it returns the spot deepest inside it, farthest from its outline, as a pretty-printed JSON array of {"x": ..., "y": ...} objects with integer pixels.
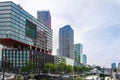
[
  {"x": 23, "y": 37},
  {"x": 78, "y": 50},
  {"x": 84, "y": 59},
  {"x": 66, "y": 42},
  {"x": 113, "y": 65}
]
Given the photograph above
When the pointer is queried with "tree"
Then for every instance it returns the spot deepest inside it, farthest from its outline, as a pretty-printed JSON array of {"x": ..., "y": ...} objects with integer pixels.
[
  {"x": 76, "y": 69},
  {"x": 48, "y": 67},
  {"x": 81, "y": 69},
  {"x": 115, "y": 70},
  {"x": 61, "y": 67},
  {"x": 28, "y": 67},
  {"x": 69, "y": 68}
]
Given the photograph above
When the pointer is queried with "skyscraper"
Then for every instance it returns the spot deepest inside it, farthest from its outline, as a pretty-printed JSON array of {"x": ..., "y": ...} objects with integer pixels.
[
  {"x": 113, "y": 65},
  {"x": 66, "y": 42},
  {"x": 44, "y": 17},
  {"x": 119, "y": 67},
  {"x": 84, "y": 59},
  {"x": 78, "y": 49}
]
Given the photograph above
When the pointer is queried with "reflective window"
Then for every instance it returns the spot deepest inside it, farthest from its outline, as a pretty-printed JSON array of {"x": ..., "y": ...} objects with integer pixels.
[
  {"x": 5, "y": 11},
  {"x": 3, "y": 4}
]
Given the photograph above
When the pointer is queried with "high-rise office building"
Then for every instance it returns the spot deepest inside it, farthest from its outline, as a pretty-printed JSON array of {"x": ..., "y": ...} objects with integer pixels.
[
  {"x": 66, "y": 42},
  {"x": 57, "y": 52},
  {"x": 78, "y": 50},
  {"x": 23, "y": 37},
  {"x": 119, "y": 67},
  {"x": 44, "y": 17},
  {"x": 113, "y": 65},
  {"x": 84, "y": 59}
]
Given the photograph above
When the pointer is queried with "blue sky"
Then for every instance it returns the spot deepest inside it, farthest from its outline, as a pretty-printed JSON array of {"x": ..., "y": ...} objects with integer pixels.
[{"x": 96, "y": 24}]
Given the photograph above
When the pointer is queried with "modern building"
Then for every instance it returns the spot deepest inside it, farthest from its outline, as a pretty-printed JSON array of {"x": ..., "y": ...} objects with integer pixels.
[
  {"x": 44, "y": 17},
  {"x": 0, "y": 56},
  {"x": 23, "y": 37},
  {"x": 60, "y": 59},
  {"x": 118, "y": 67},
  {"x": 78, "y": 49},
  {"x": 57, "y": 52},
  {"x": 113, "y": 65},
  {"x": 84, "y": 59},
  {"x": 66, "y": 42},
  {"x": 69, "y": 61}
]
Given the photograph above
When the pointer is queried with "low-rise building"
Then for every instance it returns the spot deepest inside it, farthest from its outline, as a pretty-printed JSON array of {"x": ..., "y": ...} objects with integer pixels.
[
  {"x": 60, "y": 59},
  {"x": 69, "y": 61}
]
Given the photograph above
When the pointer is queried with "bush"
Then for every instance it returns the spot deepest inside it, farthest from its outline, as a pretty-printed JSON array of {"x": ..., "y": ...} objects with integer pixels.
[{"x": 78, "y": 78}]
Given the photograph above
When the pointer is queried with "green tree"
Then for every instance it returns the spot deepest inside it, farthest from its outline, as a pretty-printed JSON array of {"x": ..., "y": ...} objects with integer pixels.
[
  {"x": 115, "y": 70},
  {"x": 49, "y": 67},
  {"x": 81, "y": 69},
  {"x": 87, "y": 68},
  {"x": 76, "y": 69},
  {"x": 61, "y": 67},
  {"x": 69, "y": 68},
  {"x": 28, "y": 67}
]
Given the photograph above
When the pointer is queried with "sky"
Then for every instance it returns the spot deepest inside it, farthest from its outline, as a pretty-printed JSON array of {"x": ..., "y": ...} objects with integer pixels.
[{"x": 96, "y": 24}]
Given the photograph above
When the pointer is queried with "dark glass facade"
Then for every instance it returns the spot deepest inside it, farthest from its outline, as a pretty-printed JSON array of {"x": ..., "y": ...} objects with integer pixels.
[
  {"x": 23, "y": 37},
  {"x": 16, "y": 58}
]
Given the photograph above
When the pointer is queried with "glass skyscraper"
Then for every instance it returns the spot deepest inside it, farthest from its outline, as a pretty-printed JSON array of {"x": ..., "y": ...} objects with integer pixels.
[
  {"x": 84, "y": 59},
  {"x": 23, "y": 36},
  {"x": 66, "y": 42},
  {"x": 78, "y": 49},
  {"x": 113, "y": 65}
]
